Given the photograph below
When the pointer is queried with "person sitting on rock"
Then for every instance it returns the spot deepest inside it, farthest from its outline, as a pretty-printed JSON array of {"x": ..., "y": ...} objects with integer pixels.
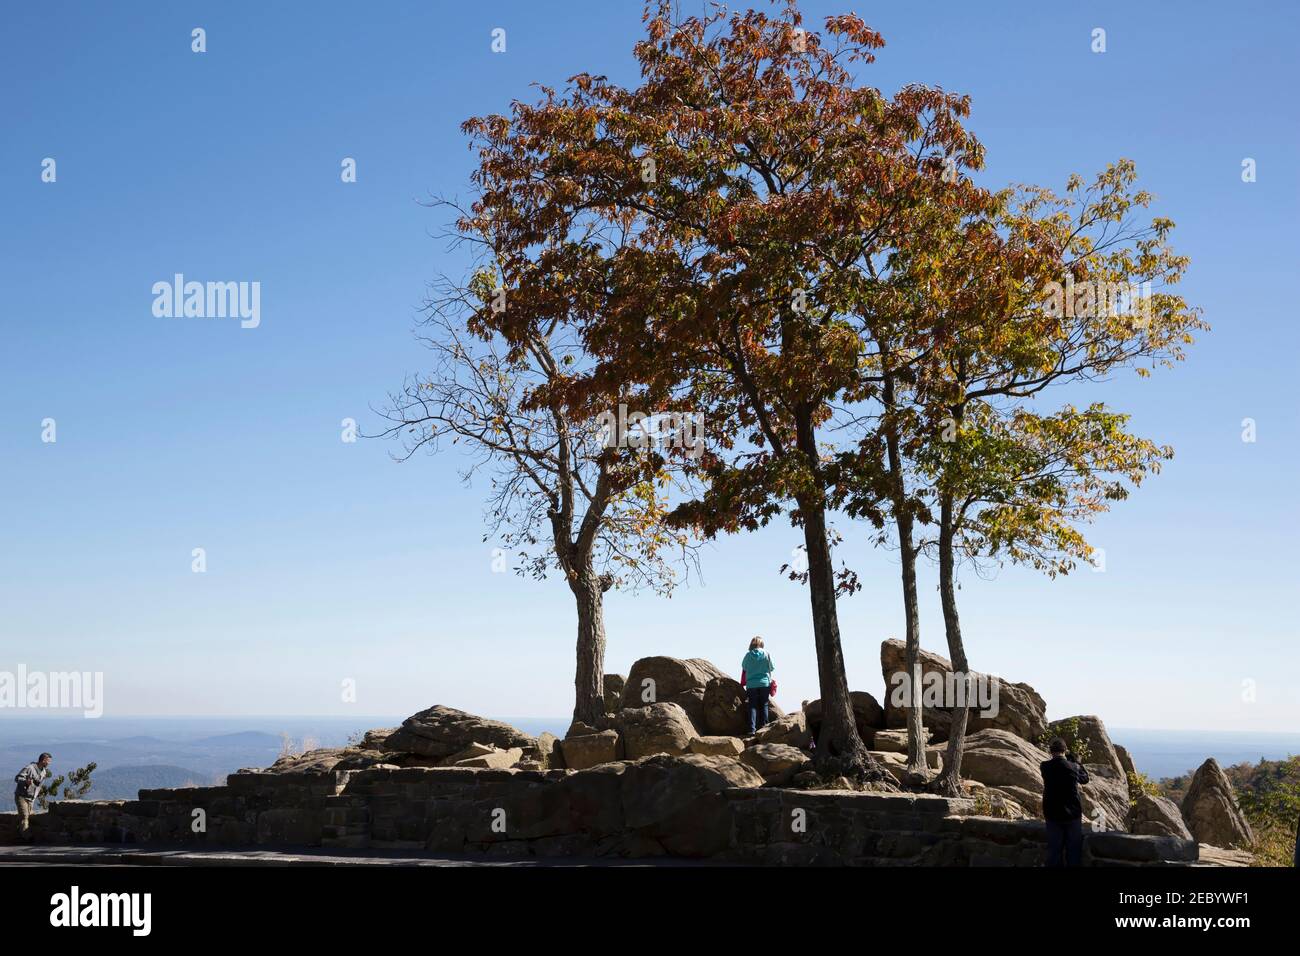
[
  {"x": 756, "y": 677},
  {"x": 1062, "y": 809}
]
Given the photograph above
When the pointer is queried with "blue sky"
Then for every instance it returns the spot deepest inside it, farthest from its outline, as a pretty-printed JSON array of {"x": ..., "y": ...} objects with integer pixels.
[{"x": 327, "y": 561}]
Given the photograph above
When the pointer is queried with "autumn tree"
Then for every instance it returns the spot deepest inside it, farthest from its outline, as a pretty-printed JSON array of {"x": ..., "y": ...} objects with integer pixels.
[
  {"x": 757, "y": 179},
  {"x": 568, "y": 494},
  {"x": 1048, "y": 291}
]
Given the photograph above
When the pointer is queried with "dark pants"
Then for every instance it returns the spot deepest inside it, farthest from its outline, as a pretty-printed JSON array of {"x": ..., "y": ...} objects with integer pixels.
[
  {"x": 757, "y": 708},
  {"x": 1064, "y": 842}
]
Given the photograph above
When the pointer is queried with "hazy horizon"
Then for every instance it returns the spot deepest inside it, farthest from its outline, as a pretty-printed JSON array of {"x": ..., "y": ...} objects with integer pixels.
[{"x": 185, "y": 739}]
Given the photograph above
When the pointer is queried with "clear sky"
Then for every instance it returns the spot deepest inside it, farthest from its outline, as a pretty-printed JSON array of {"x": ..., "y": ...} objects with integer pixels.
[{"x": 327, "y": 561}]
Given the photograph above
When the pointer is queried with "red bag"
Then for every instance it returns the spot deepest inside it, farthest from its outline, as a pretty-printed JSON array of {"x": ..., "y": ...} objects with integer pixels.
[{"x": 771, "y": 689}]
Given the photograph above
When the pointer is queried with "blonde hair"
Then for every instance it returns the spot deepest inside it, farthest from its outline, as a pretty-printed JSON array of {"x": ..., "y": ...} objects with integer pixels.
[{"x": 756, "y": 643}]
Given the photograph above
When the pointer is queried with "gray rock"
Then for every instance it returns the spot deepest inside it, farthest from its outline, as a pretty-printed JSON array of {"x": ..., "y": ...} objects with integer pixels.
[
  {"x": 442, "y": 731},
  {"x": 1006, "y": 762},
  {"x": 590, "y": 750},
  {"x": 494, "y": 759},
  {"x": 661, "y": 728},
  {"x": 775, "y": 763},
  {"x": 868, "y": 715},
  {"x": 1157, "y": 816},
  {"x": 1211, "y": 812},
  {"x": 1021, "y": 710},
  {"x": 717, "y": 746},
  {"x": 376, "y": 739},
  {"x": 1107, "y": 787},
  {"x": 790, "y": 730},
  {"x": 726, "y": 709},
  {"x": 670, "y": 677},
  {"x": 1125, "y": 760}
]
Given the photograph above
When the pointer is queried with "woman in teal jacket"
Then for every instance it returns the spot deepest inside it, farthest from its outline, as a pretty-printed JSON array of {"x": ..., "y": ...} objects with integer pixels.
[{"x": 756, "y": 677}]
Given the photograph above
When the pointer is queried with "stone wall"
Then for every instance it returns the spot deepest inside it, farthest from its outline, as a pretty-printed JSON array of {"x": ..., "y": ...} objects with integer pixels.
[{"x": 656, "y": 806}]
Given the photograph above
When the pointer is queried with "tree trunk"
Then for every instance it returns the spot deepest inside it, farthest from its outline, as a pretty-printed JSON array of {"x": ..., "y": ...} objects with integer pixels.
[
  {"x": 949, "y": 781},
  {"x": 589, "y": 678},
  {"x": 911, "y": 605},
  {"x": 839, "y": 746},
  {"x": 915, "y": 714}
]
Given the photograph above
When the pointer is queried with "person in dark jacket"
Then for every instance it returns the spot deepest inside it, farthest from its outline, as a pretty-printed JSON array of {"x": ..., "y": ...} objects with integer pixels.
[{"x": 1062, "y": 809}]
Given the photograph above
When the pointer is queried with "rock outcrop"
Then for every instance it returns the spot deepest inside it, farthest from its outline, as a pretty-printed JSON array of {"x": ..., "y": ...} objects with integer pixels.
[
  {"x": 717, "y": 746},
  {"x": 376, "y": 739},
  {"x": 790, "y": 730},
  {"x": 584, "y": 750},
  {"x": 442, "y": 731},
  {"x": 666, "y": 679},
  {"x": 1211, "y": 812},
  {"x": 714, "y": 703},
  {"x": 1107, "y": 786},
  {"x": 725, "y": 708},
  {"x": 491, "y": 758},
  {"x": 1125, "y": 760},
  {"x": 325, "y": 759},
  {"x": 868, "y": 715},
  {"x": 1008, "y": 763},
  {"x": 775, "y": 763},
  {"x": 1020, "y": 708},
  {"x": 1012, "y": 765},
  {"x": 661, "y": 728},
  {"x": 1157, "y": 816}
]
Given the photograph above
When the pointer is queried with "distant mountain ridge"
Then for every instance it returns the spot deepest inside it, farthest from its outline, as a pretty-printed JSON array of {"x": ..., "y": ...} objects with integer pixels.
[{"x": 125, "y": 783}]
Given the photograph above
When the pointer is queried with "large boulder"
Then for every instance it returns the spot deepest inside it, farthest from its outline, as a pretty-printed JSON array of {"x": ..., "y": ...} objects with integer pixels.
[
  {"x": 547, "y": 746},
  {"x": 791, "y": 730},
  {"x": 1008, "y": 763},
  {"x": 586, "y": 750},
  {"x": 661, "y": 728},
  {"x": 1125, "y": 760},
  {"x": 1019, "y": 707},
  {"x": 1211, "y": 812},
  {"x": 717, "y": 746},
  {"x": 442, "y": 731},
  {"x": 324, "y": 759},
  {"x": 1157, "y": 816},
  {"x": 377, "y": 739},
  {"x": 1107, "y": 786},
  {"x": 868, "y": 715},
  {"x": 775, "y": 763},
  {"x": 668, "y": 677},
  {"x": 726, "y": 709}
]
